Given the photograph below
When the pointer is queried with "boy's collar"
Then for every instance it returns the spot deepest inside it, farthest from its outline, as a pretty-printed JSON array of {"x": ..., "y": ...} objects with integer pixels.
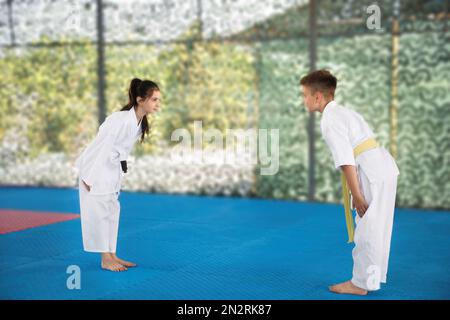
[{"x": 328, "y": 105}]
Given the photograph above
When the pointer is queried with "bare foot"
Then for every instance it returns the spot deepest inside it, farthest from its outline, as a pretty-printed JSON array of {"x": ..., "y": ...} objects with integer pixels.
[
  {"x": 123, "y": 262},
  {"x": 349, "y": 288},
  {"x": 108, "y": 263}
]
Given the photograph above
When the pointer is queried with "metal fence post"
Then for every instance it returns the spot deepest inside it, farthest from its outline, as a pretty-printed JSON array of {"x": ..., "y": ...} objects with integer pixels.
[
  {"x": 101, "y": 103},
  {"x": 311, "y": 122}
]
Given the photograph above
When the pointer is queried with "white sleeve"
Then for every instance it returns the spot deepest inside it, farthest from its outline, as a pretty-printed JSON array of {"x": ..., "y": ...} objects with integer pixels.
[
  {"x": 336, "y": 137},
  {"x": 105, "y": 147},
  {"x": 112, "y": 130},
  {"x": 119, "y": 153}
]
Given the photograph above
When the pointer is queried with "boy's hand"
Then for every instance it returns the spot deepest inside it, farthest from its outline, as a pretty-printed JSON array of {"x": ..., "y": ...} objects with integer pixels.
[{"x": 360, "y": 204}]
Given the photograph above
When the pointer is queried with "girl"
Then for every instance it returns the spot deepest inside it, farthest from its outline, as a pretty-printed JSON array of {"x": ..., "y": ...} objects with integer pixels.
[{"x": 100, "y": 166}]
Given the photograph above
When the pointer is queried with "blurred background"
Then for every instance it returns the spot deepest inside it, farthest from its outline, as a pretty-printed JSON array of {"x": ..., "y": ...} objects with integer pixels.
[{"x": 232, "y": 64}]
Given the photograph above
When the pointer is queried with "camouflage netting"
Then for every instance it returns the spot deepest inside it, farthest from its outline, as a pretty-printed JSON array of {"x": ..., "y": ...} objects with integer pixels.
[
  {"x": 424, "y": 120},
  {"x": 230, "y": 65}
]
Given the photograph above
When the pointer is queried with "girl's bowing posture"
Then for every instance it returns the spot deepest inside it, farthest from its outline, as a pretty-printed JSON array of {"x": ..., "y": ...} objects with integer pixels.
[{"x": 100, "y": 166}]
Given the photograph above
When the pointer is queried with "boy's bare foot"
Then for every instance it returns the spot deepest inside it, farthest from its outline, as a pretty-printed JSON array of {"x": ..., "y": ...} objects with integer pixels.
[
  {"x": 108, "y": 263},
  {"x": 349, "y": 288},
  {"x": 123, "y": 262}
]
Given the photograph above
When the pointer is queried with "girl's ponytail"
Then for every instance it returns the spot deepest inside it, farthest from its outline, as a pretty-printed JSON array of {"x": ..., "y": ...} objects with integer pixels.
[{"x": 133, "y": 93}]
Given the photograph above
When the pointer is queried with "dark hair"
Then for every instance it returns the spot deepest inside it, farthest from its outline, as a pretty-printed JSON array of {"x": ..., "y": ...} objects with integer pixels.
[
  {"x": 143, "y": 89},
  {"x": 320, "y": 80}
]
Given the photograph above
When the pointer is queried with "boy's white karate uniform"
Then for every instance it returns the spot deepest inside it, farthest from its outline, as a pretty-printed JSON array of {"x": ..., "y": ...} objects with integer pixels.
[
  {"x": 344, "y": 129},
  {"x": 99, "y": 166}
]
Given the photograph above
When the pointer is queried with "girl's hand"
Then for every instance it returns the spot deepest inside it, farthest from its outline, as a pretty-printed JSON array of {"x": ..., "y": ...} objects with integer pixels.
[
  {"x": 360, "y": 204},
  {"x": 87, "y": 187}
]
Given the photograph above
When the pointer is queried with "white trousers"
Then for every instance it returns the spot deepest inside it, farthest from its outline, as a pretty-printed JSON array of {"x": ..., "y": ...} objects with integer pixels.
[
  {"x": 99, "y": 220},
  {"x": 373, "y": 233}
]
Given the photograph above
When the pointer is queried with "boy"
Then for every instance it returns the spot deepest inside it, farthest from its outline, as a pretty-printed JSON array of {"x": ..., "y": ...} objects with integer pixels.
[{"x": 369, "y": 171}]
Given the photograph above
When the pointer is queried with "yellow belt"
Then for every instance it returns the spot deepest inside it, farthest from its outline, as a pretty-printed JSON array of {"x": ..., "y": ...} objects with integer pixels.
[{"x": 362, "y": 147}]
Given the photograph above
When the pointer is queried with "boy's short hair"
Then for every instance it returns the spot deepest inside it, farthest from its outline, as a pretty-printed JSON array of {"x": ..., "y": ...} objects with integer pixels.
[{"x": 320, "y": 80}]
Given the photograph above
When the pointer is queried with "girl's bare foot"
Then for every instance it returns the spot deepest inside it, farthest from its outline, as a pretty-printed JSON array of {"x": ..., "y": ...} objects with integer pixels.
[
  {"x": 108, "y": 263},
  {"x": 123, "y": 262},
  {"x": 349, "y": 288}
]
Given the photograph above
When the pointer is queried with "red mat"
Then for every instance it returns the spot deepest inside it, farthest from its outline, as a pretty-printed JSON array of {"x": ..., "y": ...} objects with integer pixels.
[{"x": 16, "y": 220}]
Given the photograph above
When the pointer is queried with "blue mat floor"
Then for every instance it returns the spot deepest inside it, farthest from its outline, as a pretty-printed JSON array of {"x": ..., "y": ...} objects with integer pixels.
[{"x": 191, "y": 247}]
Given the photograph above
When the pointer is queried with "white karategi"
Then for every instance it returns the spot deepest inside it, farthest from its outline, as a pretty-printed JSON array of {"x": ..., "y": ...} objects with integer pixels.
[
  {"x": 99, "y": 166},
  {"x": 344, "y": 129}
]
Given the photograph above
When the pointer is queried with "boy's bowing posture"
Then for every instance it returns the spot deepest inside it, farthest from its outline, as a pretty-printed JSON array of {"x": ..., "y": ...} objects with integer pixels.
[
  {"x": 100, "y": 176},
  {"x": 369, "y": 172}
]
